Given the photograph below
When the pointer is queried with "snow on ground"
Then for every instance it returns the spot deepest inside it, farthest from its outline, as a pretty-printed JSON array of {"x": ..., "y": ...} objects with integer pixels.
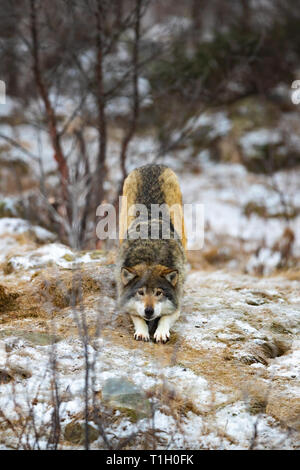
[
  {"x": 258, "y": 138},
  {"x": 12, "y": 228},
  {"x": 225, "y": 190},
  {"x": 232, "y": 363},
  {"x": 18, "y": 226},
  {"x": 218, "y": 124},
  {"x": 233, "y": 359}
]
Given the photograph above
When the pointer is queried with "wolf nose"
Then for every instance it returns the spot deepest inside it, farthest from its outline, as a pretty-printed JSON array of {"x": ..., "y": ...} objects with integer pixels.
[{"x": 149, "y": 311}]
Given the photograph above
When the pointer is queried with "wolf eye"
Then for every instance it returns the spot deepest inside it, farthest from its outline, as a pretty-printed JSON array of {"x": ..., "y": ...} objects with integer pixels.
[
  {"x": 140, "y": 292},
  {"x": 158, "y": 293}
]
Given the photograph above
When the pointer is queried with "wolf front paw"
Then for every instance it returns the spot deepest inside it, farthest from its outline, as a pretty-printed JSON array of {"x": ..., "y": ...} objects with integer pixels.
[
  {"x": 161, "y": 335},
  {"x": 140, "y": 336}
]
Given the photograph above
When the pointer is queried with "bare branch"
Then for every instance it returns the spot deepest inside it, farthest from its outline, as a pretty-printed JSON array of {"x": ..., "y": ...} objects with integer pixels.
[
  {"x": 136, "y": 105},
  {"x": 42, "y": 88},
  {"x": 101, "y": 170}
]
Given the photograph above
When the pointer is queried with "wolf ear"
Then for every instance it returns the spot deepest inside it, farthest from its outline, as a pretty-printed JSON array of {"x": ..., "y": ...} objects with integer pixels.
[
  {"x": 126, "y": 276},
  {"x": 172, "y": 277}
]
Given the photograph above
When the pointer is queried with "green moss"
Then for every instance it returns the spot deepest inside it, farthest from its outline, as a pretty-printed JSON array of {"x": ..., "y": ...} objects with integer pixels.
[
  {"x": 133, "y": 415},
  {"x": 96, "y": 254}
]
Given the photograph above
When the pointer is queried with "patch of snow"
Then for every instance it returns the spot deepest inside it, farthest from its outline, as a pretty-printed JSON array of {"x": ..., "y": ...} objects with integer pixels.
[
  {"x": 218, "y": 123},
  {"x": 51, "y": 253},
  {"x": 265, "y": 261},
  {"x": 17, "y": 226},
  {"x": 288, "y": 365},
  {"x": 8, "y": 108},
  {"x": 225, "y": 189}
]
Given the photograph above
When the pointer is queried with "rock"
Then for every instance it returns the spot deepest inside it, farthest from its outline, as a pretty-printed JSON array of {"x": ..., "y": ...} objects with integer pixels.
[
  {"x": 122, "y": 394},
  {"x": 75, "y": 433}
]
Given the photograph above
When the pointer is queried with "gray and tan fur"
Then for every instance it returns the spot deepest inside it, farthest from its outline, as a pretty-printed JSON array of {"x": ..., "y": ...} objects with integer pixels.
[{"x": 150, "y": 272}]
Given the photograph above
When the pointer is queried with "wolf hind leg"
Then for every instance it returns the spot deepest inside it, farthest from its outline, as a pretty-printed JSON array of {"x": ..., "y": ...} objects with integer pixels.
[
  {"x": 141, "y": 332},
  {"x": 162, "y": 333}
]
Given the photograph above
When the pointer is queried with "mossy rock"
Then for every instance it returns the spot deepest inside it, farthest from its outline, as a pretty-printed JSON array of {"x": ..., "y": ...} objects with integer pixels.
[{"x": 123, "y": 395}]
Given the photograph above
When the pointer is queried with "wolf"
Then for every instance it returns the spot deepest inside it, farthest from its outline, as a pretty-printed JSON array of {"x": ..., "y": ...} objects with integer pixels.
[{"x": 151, "y": 262}]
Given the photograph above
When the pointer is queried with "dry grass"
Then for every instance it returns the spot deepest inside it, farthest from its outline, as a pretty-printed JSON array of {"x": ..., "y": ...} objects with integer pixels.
[
  {"x": 49, "y": 294},
  {"x": 8, "y": 299}
]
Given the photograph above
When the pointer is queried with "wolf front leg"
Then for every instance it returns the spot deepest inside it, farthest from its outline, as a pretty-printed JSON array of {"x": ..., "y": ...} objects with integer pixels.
[
  {"x": 141, "y": 329},
  {"x": 162, "y": 333}
]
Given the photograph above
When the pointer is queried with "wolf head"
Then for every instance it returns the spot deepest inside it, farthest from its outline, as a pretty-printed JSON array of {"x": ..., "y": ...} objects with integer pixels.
[{"x": 149, "y": 291}]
